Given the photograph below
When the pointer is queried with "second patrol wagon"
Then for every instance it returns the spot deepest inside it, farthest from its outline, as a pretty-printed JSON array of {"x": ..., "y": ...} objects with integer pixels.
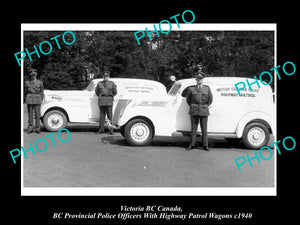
[
  {"x": 81, "y": 106},
  {"x": 249, "y": 117}
]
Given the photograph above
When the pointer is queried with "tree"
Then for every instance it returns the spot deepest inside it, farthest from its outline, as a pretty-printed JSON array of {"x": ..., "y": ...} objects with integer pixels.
[
  {"x": 62, "y": 68},
  {"x": 220, "y": 53}
]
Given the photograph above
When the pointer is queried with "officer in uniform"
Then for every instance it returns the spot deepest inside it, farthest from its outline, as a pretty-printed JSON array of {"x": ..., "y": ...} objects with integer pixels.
[
  {"x": 199, "y": 97},
  {"x": 105, "y": 90},
  {"x": 34, "y": 95}
]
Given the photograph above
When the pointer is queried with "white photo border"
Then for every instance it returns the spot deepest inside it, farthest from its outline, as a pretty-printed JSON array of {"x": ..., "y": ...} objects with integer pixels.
[{"x": 146, "y": 191}]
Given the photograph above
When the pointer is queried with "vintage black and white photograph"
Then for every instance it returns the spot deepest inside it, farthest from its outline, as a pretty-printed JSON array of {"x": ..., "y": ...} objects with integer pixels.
[{"x": 118, "y": 109}]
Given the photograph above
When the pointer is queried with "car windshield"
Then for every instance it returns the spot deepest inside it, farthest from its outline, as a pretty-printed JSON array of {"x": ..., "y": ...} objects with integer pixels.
[
  {"x": 90, "y": 87},
  {"x": 175, "y": 88}
]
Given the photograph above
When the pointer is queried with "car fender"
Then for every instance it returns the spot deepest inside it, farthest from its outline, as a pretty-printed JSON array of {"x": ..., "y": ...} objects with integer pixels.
[
  {"x": 161, "y": 121},
  {"x": 133, "y": 113},
  {"x": 256, "y": 116},
  {"x": 74, "y": 113},
  {"x": 47, "y": 106}
]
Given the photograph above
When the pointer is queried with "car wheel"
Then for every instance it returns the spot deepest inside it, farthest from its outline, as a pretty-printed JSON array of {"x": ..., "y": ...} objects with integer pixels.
[
  {"x": 256, "y": 136},
  {"x": 122, "y": 131},
  {"x": 55, "y": 120},
  {"x": 138, "y": 132}
]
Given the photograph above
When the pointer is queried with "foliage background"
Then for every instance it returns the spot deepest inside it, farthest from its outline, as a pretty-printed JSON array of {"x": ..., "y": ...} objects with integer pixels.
[{"x": 220, "y": 53}]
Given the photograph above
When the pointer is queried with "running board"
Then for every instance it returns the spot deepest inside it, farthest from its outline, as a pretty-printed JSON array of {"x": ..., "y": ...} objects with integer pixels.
[{"x": 210, "y": 134}]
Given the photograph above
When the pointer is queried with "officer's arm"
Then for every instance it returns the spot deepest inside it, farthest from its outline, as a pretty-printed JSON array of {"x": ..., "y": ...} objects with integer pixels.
[
  {"x": 210, "y": 96},
  {"x": 97, "y": 90},
  {"x": 188, "y": 96},
  {"x": 42, "y": 90},
  {"x": 115, "y": 91}
]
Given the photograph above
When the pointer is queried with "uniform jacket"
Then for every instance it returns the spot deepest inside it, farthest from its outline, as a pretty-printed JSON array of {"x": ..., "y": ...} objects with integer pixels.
[
  {"x": 199, "y": 99},
  {"x": 106, "y": 90},
  {"x": 34, "y": 91}
]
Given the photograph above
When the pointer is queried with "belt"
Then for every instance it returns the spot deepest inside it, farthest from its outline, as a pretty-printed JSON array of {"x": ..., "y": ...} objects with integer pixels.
[
  {"x": 103, "y": 95},
  {"x": 200, "y": 103}
]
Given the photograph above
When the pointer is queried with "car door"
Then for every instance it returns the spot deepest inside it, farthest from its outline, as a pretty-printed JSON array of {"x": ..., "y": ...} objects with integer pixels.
[
  {"x": 183, "y": 122},
  {"x": 227, "y": 108},
  {"x": 94, "y": 107}
]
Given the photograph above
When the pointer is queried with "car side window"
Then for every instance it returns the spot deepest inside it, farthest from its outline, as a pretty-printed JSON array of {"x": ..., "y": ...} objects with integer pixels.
[{"x": 184, "y": 92}]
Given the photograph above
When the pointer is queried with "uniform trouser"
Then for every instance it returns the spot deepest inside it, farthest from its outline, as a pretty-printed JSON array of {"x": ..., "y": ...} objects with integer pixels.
[
  {"x": 104, "y": 110},
  {"x": 194, "y": 127},
  {"x": 37, "y": 112}
]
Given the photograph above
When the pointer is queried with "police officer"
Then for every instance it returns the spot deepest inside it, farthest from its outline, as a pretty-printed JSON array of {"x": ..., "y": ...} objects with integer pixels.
[
  {"x": 105, "y": 90},
  {"x": 199, "y": 97},
  {"x": 34, "y": 95}
]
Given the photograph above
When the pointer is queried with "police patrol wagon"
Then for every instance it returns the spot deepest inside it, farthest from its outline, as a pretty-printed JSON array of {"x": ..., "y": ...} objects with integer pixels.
[
  {"x": 143, "y": 109},
  {"x": 249, "y": 117},
  {"x": 62, "y": 107}
]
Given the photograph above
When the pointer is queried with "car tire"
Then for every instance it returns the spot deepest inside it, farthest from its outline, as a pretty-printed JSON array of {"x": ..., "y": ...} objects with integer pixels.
[
  {"x": 256, "y": 136},
  {"x": 138, "y": 132},
  {"x": 55, "y": 120},
  {"x": 122, "y": 131}
]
